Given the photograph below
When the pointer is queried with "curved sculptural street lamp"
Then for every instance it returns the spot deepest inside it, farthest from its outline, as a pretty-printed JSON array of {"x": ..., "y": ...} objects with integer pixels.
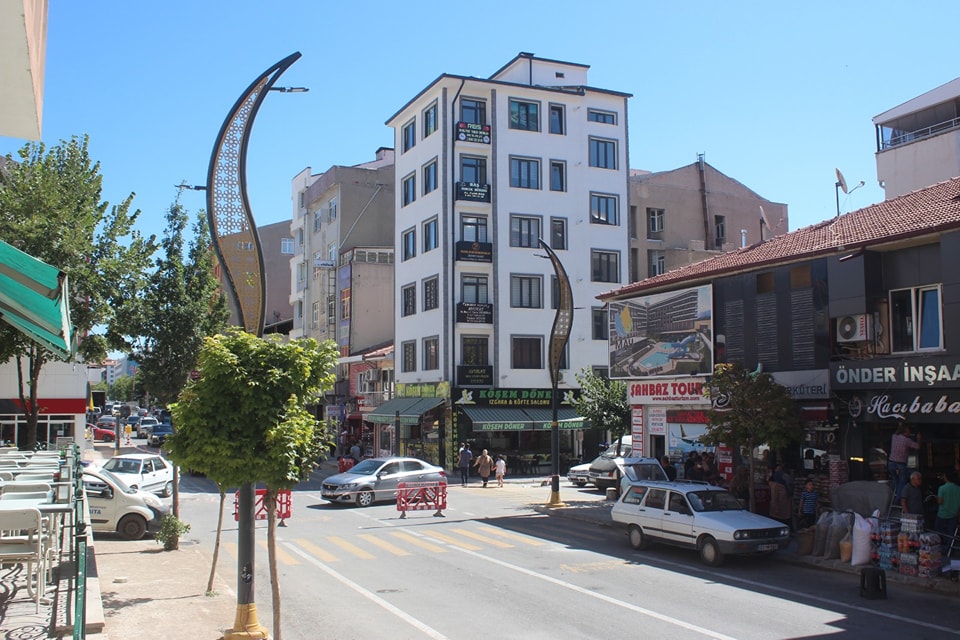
[{"x": 237, "y": 245}]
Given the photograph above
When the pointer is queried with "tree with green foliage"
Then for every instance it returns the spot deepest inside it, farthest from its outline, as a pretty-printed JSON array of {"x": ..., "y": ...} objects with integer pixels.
[
  {"x": 181, "y": 306},
  {"x": 122, "y": 389},
  {"x": 50, "y": 208},
  {"x": 604, "y": 403},
  {"x": 243, "y": 420},
  {"x": 749, "y": 409}
]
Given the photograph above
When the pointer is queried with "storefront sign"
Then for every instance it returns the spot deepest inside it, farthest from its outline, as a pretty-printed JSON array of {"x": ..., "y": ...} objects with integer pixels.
[
  {"x": 688, "y": 416},
  {"x": 475, "y": 313},
  {"x": 470, "y": 132},
  {"x": 525, "y": 397},
  {"x": 473, "y": 251},
  {"x": 657, "y": 421},
  {"x": 469, "y": 375},
  {"x": 812, "y": 384},
  {"x": 636, "y": 424},
  {"x": 687, "y": 390},
  {"x": 901, "y": 373},
  {"x": 911, "y": 406},
  {"x": 473, "y": 191}
]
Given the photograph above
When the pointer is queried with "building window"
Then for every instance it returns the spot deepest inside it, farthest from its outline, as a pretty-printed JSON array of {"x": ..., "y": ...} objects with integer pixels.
[
  {"x": 604, "y": 266},
  {"x": 474, "y": 350},
  {"x": 525, "y": 292},
  {"x": 601, "y": 327},
  {"x": 345, "y": 303},
  {"x": 431, "y": 353},
  {"x": 658, "y": 263},
  {"x": 317, "y": 269},
  {"x": 301, "y": 274},
  {"x": 430, "y": 177},
  {"x": 409, "y": 239},
  {"x": 604, "y": 209},
  {"x": 409, "y": 189},
  {"x": 603, "y": 153},
  {"x": 473, "y": 169},
  {"x": 720, "y": 229},
  {"x": 525, "y": 173},
  {"x": 473, "y": 289},
  {"x": 558, "y": 175},
  {"x": 317, "y": 220},
  {"x": 524, "y": 115},
  {"x": 429, "y": 120},
  {"x": 655, "y": 221},
  {"x": 473, "y": 111},
  {"x": 286, "y": 246},
  {"x": 431, "y": 293},
  {"x": 526, "y": 352},
  {"x": 409, "y": 136},
  {"x": 409, "y": 296},
  {"x": 473, "y": 228},
  {"x": 632, "y": 221},
  {"x": 315, "y": 315},
  {"x": 409, "y": 356},
  {"x": 915, "y": 319},
  {"x": 430, "y": 240},
  {"x": 332, "y": 210},
  {"x": 603, "y": 117},
  {"x": 524, "y": 231},
  {"x": 557, "y": 120},
  {"x": 558, "y": 233},
  {"x": 299, "y": 310}
]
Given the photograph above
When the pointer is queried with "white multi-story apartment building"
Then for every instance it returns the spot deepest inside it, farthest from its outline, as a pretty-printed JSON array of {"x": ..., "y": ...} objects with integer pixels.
[{"x": 485, "y": 168}]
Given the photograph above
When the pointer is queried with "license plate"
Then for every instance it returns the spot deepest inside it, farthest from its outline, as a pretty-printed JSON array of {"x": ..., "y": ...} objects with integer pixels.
[{"x": 768, "y": 547}]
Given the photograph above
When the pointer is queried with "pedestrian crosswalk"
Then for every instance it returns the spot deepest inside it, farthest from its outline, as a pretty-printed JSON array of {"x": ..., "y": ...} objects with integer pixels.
[{"x": 398, "y": 543}]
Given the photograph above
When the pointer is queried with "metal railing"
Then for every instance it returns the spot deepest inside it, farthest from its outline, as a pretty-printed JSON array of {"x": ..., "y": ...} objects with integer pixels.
[{"x": 920, "y": 134}]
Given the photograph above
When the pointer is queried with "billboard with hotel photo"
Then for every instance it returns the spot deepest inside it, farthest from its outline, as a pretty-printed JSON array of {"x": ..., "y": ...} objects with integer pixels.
[{"x": 665, "y": 334}]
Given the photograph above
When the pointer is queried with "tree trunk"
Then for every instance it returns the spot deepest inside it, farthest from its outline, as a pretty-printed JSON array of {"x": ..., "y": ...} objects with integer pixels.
[
  {"x": 27, "y": 437},
  {"x": 270, "y": 504},
  {"x": 216, "y": 543}
]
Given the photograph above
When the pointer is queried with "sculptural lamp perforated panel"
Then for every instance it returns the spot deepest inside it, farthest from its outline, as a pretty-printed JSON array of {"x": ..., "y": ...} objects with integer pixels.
[{"x": 235, "y": 237}]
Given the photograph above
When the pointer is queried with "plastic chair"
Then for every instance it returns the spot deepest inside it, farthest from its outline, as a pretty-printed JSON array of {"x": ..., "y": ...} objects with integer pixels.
[
  {"x": 22, "y": 486},
  {"x": 27, "y": 546}
]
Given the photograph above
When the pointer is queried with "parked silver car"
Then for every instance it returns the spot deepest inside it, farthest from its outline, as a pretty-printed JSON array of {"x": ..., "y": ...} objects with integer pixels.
[{"x": 376, "y": 479}]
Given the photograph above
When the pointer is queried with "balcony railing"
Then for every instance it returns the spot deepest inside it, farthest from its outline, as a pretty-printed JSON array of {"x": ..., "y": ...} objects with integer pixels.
[{"x": 919, "y": 134}]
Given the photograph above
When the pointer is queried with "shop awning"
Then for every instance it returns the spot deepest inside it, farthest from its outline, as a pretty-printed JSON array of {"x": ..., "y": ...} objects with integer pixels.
[
  {"x": 498, "y": 419},
  {"x": 410, "y": 410},
  {"x": 567, "y": 418},
  {"x": 34, "y": 298}
]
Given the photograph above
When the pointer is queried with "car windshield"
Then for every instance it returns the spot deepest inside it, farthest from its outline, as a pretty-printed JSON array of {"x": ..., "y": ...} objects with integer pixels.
[
  {"x": 365, "y": 467},
  {"x": 713, "y": 501},
  {"x": 120, "y": 465},
  {"x": 115, "y": 479}
]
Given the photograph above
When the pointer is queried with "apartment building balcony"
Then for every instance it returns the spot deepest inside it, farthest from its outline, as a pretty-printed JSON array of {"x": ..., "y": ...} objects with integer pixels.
[{"x": 373, "y": 399}]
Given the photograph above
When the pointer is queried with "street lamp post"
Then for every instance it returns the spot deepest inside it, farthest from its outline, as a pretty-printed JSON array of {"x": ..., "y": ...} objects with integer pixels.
[
  {"x": 559, "y": 334},
  {"x": 240, "y": 253}
]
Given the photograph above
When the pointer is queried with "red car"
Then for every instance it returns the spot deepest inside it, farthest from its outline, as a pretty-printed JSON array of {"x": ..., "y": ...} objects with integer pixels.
[{"x": 99, "y": 433}]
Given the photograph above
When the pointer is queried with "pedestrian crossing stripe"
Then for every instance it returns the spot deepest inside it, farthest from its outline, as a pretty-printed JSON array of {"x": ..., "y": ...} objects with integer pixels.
[
  {"x": 477, "y": 536},
  {"x": 383, "y": 544},
  {"x": 451, "y": 540},
  {"x": 349, "y": 547},
  {"x": 515, "y": 537},
  {"x": 282, "y": 556},
  {"x": 315, "y": 551},
  {"x": 417, "y": 542}
]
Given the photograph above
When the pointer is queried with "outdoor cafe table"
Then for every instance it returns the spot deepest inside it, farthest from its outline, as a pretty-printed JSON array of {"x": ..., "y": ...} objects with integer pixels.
[{"x": 54, "y": 509}]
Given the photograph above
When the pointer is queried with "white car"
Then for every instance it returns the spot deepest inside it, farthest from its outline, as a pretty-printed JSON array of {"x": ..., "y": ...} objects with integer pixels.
[
  {"x": 144, "y": 471},
  {"x": 116, "y": 508},
  {"x": 695, "y": 516},
  {"x": 580, "y": 474},
  {"x": 145, "y": 426}
]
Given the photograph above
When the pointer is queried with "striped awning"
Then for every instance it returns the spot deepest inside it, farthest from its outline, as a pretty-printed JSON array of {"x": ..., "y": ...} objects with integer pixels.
[{"x": 410, "y": 410}]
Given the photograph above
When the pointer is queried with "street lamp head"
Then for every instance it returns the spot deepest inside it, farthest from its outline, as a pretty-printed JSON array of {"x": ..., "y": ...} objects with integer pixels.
[{"x": 290, "y": 89}]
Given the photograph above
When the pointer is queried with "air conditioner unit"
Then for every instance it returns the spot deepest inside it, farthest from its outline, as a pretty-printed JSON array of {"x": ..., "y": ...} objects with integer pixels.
[
  {"x": 559, "y": 377},
  {"x": 370, "y": 375},
  {"x": 855, "y": 328}
]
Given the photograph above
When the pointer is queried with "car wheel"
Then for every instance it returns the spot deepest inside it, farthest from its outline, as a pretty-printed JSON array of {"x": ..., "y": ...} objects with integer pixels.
[
  {"x": 638, "y": 540},
  {"x": 710, "y": 552},
  {"x": 365, "y": 498},
  {"x": 132, "y": 527},
  {"x": 167, "y": 490},
  {"x": 580, "y": 483}
]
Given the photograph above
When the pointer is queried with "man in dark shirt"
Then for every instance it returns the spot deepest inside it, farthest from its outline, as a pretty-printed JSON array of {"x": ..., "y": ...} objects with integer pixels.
[
  {"x": 668, "y": 468},
  {"x": 912, "y": 498}
]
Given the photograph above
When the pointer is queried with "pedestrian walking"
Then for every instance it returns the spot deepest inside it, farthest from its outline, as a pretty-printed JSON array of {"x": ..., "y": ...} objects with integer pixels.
[
  {"x": 355, "y": 452},
  {"x": 807, "y": 509},
  {"x": 484, "y": 465},
  {"x": 501, "y": 470},
  {"x": 463, "y": 463}
]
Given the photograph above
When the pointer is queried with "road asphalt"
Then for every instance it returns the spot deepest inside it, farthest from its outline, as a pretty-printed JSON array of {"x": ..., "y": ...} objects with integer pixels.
[{"x": 147, "y": 591}]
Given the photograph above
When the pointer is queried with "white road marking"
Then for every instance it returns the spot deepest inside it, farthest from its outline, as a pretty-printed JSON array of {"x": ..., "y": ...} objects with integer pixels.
[{"x": 429, "y": 631}]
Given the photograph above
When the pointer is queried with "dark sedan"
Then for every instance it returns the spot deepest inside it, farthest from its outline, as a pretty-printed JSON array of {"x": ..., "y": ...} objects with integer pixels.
[{"x": 159, "y": 434}]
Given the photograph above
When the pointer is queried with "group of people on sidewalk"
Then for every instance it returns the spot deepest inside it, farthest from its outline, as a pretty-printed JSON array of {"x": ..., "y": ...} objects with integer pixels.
[{"x": 484, "y": 463}]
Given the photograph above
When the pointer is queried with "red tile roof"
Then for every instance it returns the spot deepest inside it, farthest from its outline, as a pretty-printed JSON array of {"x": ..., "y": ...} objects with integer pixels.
[{"x": 923, "y": 212}]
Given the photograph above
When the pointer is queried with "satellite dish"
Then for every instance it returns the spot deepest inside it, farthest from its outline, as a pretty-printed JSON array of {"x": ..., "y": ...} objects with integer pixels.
[{"x": 841, "y": 182}]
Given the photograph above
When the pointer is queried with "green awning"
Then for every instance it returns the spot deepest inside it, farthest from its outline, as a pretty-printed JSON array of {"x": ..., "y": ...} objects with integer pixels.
[
  {"x": 34, "y": 298},
  {"x": 498, "y": 419},
  {"x": 567, "y": 418},
  {"x": 410, "y": 410}
]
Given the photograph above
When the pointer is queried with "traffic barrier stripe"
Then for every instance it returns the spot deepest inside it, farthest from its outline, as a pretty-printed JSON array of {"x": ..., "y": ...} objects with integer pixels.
[
  {"x": 422, "y": 496},
  {"x": 284, "y": 505}
]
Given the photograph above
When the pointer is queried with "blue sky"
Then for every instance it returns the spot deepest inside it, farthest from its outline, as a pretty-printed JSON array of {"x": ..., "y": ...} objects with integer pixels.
[{"x": 776, "y": 95}]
